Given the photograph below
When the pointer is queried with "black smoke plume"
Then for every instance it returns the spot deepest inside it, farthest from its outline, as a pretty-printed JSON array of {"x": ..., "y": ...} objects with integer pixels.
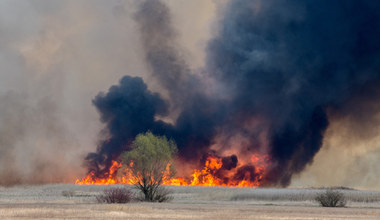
[
  {"x": 282, "y": 62},
  {"x": 130, "y": 108}
]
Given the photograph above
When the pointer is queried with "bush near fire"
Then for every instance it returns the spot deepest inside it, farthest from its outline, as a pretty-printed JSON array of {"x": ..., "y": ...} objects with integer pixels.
[{"x": 149, "y": 163}]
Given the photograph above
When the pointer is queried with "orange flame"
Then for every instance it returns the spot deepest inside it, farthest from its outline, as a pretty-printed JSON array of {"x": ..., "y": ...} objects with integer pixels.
[
  {"x": 108, "y": 179},
  {"x": 209, "y": 175}
]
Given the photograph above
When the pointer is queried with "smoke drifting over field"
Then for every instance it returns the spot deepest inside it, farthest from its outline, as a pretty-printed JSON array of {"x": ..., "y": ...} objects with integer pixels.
[
  {"x": 288, "y": 62},
  {"x": 280, "y": 78},
  {"x": 278, "y": 68},
  {"x": 55, "y": 57}
]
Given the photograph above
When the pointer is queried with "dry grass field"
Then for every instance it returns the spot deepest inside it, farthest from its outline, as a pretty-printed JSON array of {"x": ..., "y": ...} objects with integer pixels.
[{"x": 67, "y": 201}]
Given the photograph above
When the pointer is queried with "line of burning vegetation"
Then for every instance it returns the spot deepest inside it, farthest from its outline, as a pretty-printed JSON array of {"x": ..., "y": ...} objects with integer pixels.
[{"x": 214, "y": 172}]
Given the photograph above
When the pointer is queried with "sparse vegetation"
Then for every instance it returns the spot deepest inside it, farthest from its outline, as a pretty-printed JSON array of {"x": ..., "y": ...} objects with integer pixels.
[
  {"x": 47, "y": 202},
  {"x": 331, "y": 198},
  {"x": 162, "y": 195},
  {"x": 115, "y": 195}
]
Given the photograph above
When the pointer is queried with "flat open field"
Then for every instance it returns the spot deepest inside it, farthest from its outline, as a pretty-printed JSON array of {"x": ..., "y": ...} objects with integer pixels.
[{"x": 67, "y": 201}]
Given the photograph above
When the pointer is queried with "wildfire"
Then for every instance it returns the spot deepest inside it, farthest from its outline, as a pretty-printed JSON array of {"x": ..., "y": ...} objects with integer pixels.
[
  {"x": 212, "y": 174},
  {"x": 108, "y": 179}
]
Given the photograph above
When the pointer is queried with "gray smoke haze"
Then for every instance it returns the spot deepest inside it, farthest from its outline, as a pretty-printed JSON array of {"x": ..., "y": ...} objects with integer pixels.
[
  {"x": 160, "y": 46},
  {"x": 55, "y": 57}
]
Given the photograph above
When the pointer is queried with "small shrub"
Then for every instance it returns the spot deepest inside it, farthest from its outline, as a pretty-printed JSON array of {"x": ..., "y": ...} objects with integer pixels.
[
  {"x": 331, "y": 198},
  {"x": 115, "y": 195},
  {"x": 160, "y": 194},
  {"x": 68, "y": 193}
]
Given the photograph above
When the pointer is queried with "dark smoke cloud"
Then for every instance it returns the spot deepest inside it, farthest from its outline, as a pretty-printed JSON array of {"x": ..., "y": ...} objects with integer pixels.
[
  {"x": 199, "y": 113},
  {"x": 353, "y": 135},
  {"x": 281, "y": 62},
  {"x": 287, "y": 61},
  {"x": 128, "y": 109}
]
